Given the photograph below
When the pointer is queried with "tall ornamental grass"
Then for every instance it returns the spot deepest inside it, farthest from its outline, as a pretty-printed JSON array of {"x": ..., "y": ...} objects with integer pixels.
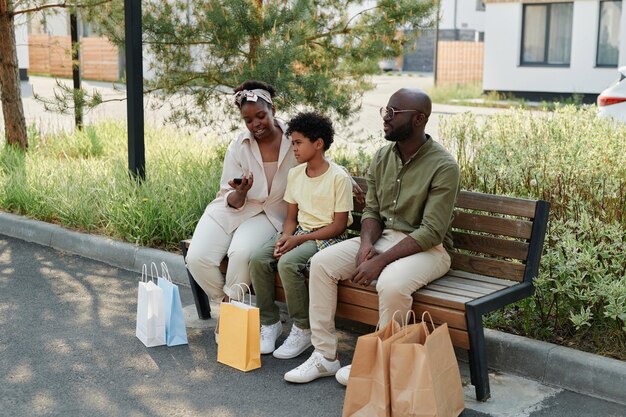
[
  {"x": 577, "y": 162},
  {"x": 81, "y": 181}
]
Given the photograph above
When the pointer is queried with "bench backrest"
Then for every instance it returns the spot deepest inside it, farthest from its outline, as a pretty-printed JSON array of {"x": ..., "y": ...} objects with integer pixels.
[{"x": 493, "y": 235}]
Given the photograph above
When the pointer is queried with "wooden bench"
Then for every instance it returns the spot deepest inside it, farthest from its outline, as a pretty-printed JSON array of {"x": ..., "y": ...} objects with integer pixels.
[{"x": 498, "y": 244}]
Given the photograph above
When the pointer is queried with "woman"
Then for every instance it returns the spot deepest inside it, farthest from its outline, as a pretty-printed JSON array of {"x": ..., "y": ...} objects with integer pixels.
[
  {"x": 246, "y": 213},
  {"x": 249, "y": 208}
]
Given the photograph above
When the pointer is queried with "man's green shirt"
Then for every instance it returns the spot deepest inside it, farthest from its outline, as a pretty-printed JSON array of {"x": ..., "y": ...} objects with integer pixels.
[{"x": 417, "y": 197}]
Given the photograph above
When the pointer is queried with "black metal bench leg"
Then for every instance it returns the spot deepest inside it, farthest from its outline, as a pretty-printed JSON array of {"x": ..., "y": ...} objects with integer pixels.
[
  {"x": 477, "y": 354},
  {"x": 199, "y": 296}
]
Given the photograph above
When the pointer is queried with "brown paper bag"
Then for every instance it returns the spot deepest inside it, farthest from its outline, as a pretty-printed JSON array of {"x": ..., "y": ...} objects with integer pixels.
[
  {"x": 424, "y": 375},
  {"x": 367, "y": 393}
]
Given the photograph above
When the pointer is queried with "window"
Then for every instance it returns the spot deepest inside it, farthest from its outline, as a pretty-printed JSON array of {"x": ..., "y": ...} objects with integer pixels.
[
  {"x": 608, "y": 33},
  {"x": 547, "y": 34}
]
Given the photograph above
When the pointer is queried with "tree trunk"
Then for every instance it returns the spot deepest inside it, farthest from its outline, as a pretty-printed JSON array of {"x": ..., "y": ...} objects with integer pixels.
[
  {"x": 255, "y": 39},
  {"x": 10, "y": 91}
]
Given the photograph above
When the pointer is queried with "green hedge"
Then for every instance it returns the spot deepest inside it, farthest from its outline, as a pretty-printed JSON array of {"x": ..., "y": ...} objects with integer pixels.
[{"x": 577, "y": 162}]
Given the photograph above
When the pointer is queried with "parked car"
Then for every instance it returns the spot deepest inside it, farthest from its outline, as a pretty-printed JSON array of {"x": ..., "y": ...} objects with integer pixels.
[
  {"x": 391, "y": 64},
  {"x": 612, "y": 101}
]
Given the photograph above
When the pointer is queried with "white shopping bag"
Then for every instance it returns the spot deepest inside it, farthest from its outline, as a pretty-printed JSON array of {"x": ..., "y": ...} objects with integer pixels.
[{"x": 150, "y": 315}]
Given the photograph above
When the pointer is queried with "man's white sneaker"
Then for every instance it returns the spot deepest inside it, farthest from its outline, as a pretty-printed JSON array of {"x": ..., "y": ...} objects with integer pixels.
[
  {"x": 317, "y": 366},
  {"x": 269, "y": 335},
  {"x": 343, "y": 375},
  {"x": 297, "y": 342}
]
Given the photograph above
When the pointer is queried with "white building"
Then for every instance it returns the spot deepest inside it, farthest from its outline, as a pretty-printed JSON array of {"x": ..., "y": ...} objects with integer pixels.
[
  {"x": 462, "y": 20},
  {"x": 21, "y": 42},
  {"x": 537, "y": 48}
]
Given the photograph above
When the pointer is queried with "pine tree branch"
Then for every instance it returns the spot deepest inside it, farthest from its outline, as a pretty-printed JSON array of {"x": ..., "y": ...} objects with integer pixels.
[{"x": 63, "y": 5}]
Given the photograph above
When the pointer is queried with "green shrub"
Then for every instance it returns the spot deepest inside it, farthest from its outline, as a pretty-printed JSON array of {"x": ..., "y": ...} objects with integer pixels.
[{"x": 577, "y": 162}]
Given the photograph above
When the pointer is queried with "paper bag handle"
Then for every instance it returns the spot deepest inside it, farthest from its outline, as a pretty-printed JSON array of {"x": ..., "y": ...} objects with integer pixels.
[
  {"x": 154, "y": 270},
  {"x": 240, "y": 287},
  {"x": 425, "y": 324},
  {"x": 144, "y": 273},
  {"x": 165, "y": 272},
  {"x": 409, "y": 314}
]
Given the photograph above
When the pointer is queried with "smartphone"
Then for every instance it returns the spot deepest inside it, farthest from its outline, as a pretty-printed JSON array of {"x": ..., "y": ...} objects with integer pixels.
[{"x": 237, "y": 180}]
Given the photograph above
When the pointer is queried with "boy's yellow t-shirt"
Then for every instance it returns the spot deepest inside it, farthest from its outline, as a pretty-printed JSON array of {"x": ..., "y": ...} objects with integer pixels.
[{"x": 319, "y": 198}]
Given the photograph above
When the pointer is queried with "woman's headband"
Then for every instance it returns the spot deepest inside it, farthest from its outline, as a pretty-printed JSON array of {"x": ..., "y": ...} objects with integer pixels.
[{"x": 253, "y": 95}]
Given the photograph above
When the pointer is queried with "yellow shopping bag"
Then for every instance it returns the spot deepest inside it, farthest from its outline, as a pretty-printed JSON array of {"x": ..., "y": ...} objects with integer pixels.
[{"x": 240, "y": 335}]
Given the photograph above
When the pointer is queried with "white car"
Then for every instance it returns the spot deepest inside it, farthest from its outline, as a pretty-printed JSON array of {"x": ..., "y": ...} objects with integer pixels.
[{"x": 612, "y": 101}]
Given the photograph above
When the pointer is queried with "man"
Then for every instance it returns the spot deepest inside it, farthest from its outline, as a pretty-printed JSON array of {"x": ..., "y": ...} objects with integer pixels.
[{"x": 405, "y": 231}]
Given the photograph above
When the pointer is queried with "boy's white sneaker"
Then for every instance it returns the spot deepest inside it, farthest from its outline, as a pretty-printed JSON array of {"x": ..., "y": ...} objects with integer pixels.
[
  {"x": 297, "y": 342},
  {"x": 269, "y": 335},
  {"x": 343, "y": 375},
  {"x": 317, "y": 366}
]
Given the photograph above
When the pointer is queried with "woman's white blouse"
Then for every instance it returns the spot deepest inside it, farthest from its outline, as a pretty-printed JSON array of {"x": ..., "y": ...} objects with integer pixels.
[{"x": 243, "y": 157}]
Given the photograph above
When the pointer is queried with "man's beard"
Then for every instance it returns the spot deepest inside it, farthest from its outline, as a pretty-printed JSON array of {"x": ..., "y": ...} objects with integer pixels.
[{"x": 400, "y": 133}]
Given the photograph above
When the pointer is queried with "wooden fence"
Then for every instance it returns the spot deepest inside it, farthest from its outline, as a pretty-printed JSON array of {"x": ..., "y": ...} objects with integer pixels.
[
  {"x": 460, "y": 62},
  {"x": 51, "y": 55}
]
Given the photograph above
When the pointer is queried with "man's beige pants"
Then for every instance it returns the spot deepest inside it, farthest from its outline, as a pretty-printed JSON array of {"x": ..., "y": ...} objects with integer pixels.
[{"x": 396, "y": 283}]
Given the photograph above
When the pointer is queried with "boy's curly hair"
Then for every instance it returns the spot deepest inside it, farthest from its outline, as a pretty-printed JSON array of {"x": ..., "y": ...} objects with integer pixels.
[{"x": 314, "y": 126}]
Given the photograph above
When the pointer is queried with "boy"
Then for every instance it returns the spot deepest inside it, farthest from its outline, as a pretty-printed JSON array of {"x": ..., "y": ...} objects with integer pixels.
[{"x": 319, "y": 195}]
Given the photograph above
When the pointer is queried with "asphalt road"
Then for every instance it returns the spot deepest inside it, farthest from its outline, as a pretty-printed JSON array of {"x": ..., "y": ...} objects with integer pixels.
[{"x": 68, "y": 348}]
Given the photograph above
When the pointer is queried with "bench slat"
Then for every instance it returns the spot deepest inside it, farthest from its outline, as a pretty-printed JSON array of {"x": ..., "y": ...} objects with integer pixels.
[
  {"x": 496, "y": 204},
  {"x": 471, "y": 294},
  {"x": 491, "y": 267},
  {"x": 480, "y": 278},
  {"x": 470, "y": 283},
  {"x": 521, "y": 229},
  {"x": 454, "y": 318},
  {"x": 357, "y": 313},
  {"x": 465, "y": 284},
  {"x": 491, "y": 245},
  {"x": 459, "y": 338},
  {"x": 359, "y": 296},
  {"x": 427, "y": 296}
]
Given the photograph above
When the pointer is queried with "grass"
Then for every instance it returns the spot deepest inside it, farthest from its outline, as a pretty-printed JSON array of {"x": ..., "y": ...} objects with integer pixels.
[
  {"x": 472, "y": 94},
  {"x": 81, "y": 181}
]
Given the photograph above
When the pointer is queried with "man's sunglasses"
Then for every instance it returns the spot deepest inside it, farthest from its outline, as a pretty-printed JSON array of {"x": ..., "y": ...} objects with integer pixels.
[{"x": 389, "y": 113}]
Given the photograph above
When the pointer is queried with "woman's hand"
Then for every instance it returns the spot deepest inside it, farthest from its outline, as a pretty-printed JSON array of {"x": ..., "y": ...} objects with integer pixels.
[
  {"x": 244, "y": 186},
  {"x": 238, "y": 198}
]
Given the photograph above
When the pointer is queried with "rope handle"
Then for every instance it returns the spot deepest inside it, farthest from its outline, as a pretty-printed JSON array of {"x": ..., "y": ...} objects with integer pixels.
[
  {"x": 165, "y": 272},
  {"x": 424, "y": 323},
  {"x": 243, "y": 292}
]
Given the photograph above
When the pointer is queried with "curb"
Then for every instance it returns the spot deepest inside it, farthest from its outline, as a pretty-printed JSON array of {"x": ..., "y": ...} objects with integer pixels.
[
  {"x": 550, "y": 364},
  {"x": 113, "y": 252}
]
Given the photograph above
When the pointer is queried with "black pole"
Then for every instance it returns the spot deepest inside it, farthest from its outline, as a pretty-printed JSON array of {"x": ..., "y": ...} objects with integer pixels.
[
  {"x": 436, "y": 54},
  {"x": 134, "y": 88},
  {"x": 78, "y": 106}
]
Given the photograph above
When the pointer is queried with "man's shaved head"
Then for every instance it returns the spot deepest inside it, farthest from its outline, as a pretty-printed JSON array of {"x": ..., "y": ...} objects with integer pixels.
[{"x": 415, "y": 99}]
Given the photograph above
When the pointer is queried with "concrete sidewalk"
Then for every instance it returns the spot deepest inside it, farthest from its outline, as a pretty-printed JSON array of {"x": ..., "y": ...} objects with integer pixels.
[{"x": 67, "y": 348}]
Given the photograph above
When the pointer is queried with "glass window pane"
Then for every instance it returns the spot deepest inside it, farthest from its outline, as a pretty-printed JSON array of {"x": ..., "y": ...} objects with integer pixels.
[
  {"x": 534, "y": 41},
  {"x": 608, "y": 34},
  {"x": 560, "y": 38}
]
